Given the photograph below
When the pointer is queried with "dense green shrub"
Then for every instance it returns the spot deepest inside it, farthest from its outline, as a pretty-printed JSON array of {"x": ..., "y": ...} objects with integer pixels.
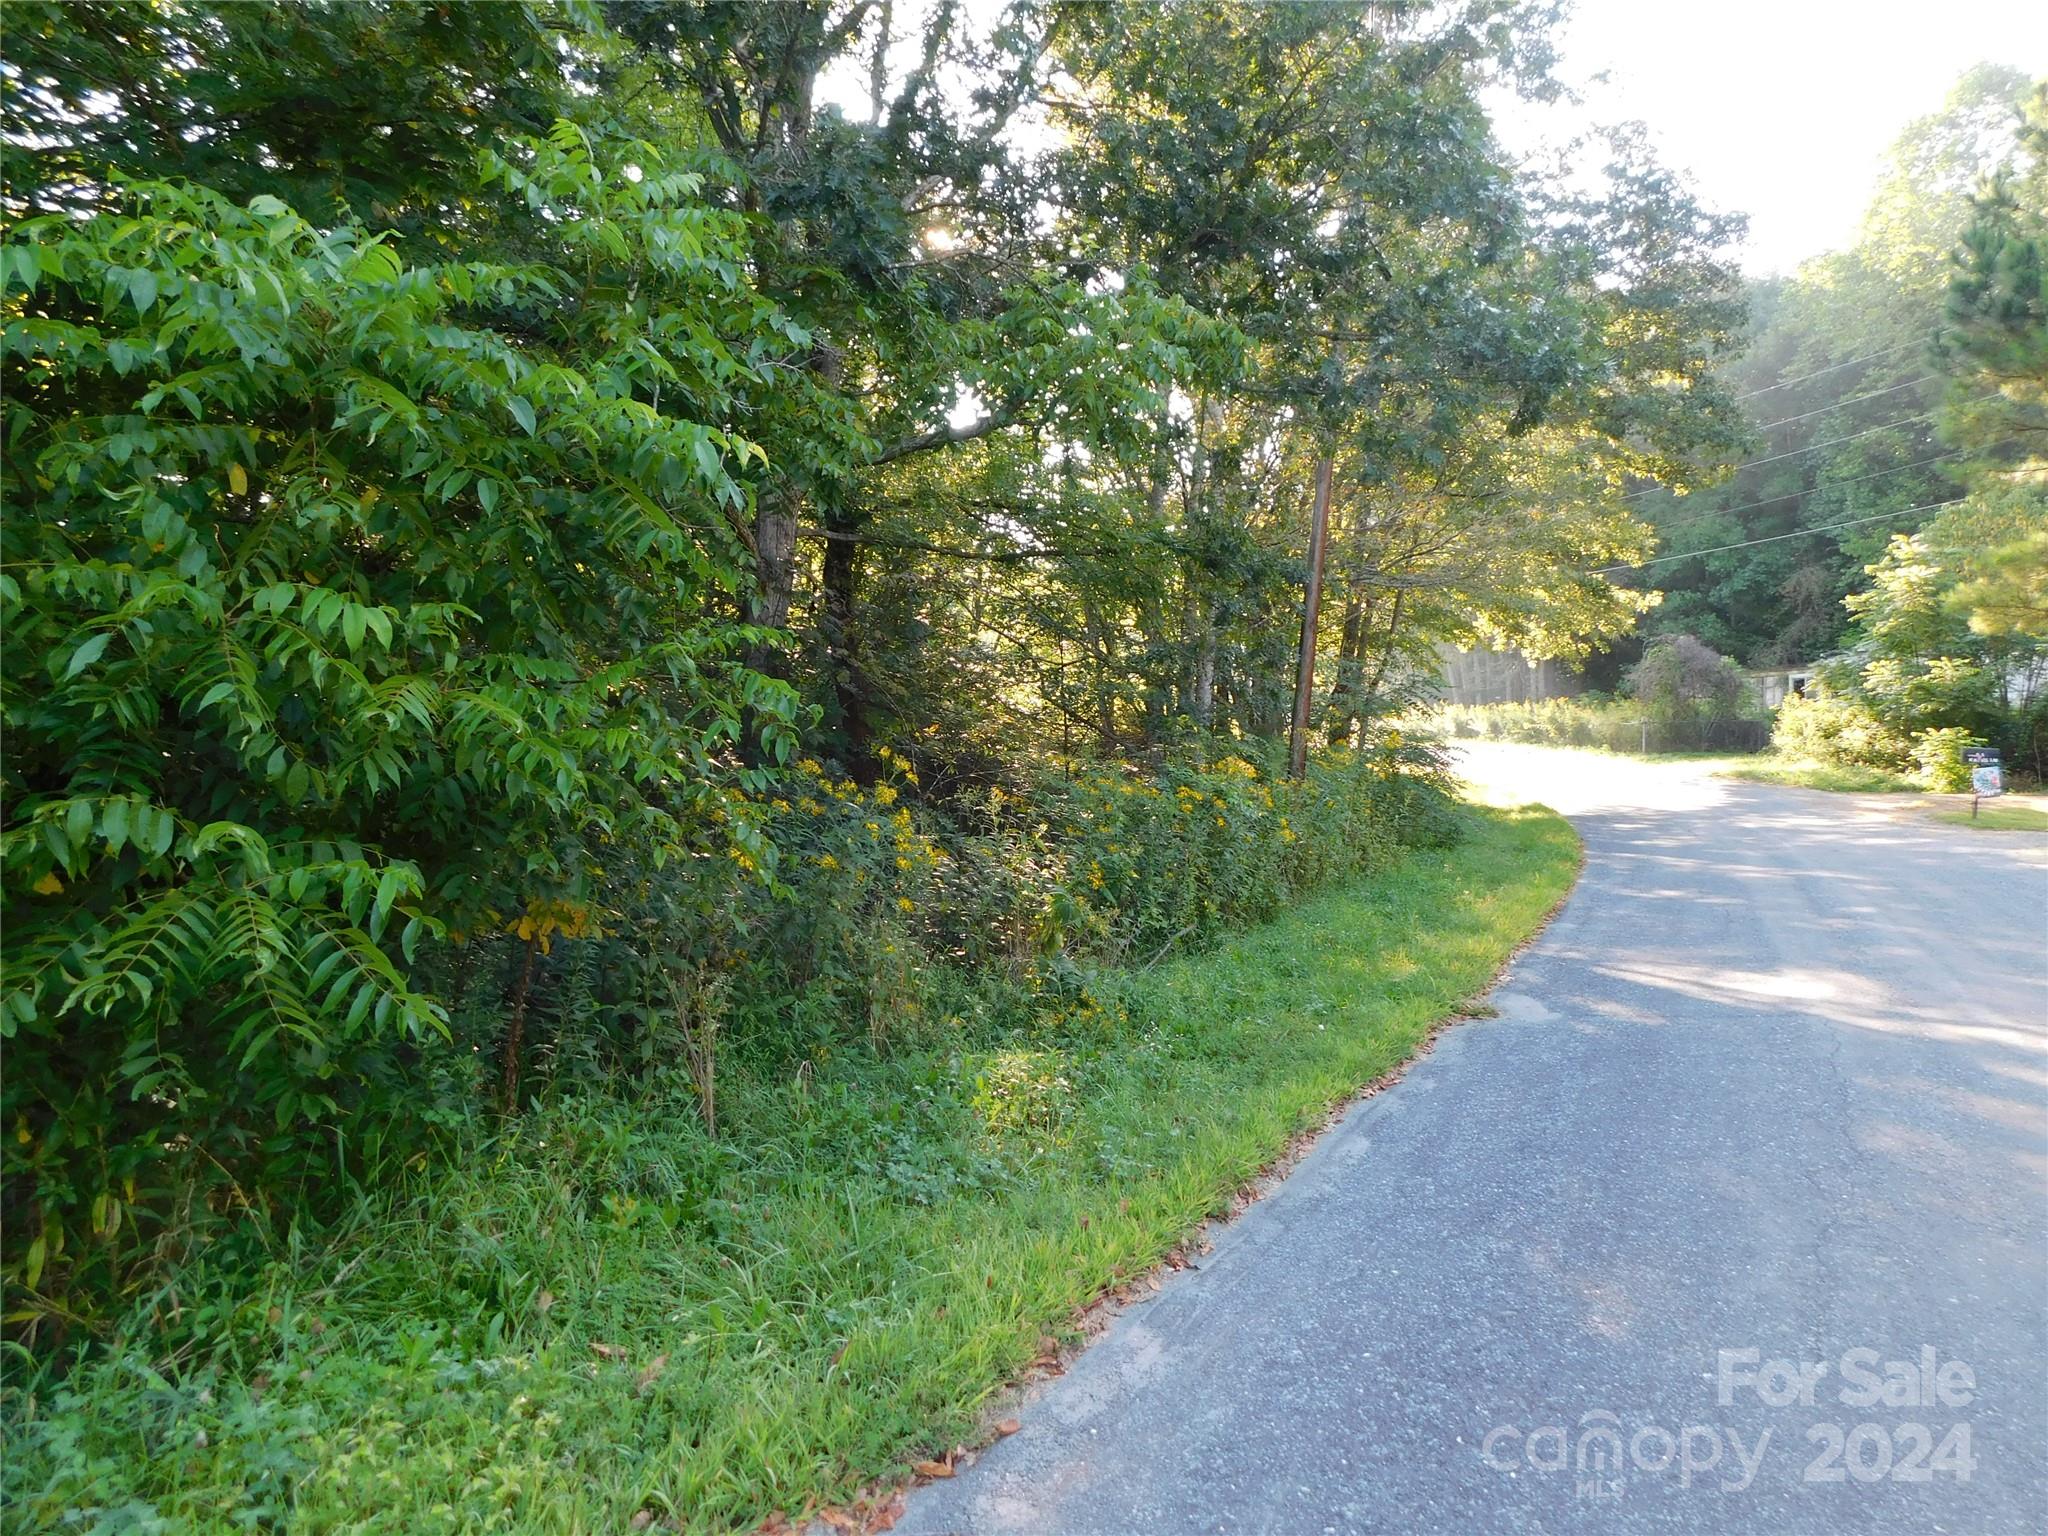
[
  {"x": 1592, "y": 720},
  {"x": 1825, "y": 726},
  {"x": 1938, "y": 754},
  {"x": 1679, "y": 678},
  {"x": 887, "y": 916},
  {"x": 1922, "y": 679},
  {"x": 356, "y": 622}
]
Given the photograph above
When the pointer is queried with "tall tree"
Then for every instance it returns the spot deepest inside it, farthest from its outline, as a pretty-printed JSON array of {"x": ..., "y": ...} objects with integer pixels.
[{"x": 1839, "y": 384}]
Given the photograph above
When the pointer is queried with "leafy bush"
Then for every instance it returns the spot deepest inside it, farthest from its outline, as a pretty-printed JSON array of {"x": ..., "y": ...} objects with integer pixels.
[
  {"x": 1679, "y": 678},
  {"x": 359, "y": 623},
  {"x": 1825, "y": 726},
  {"x": 887, "y": 917},
  {"x": 1939, "y": 756},
  {"x": 1919, "y": 682},
  {"x": 1590, "y": 720}
]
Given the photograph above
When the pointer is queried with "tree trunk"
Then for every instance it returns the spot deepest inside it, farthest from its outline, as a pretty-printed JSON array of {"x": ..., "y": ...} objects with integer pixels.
[
  {"x": 775, "y": 518},
  {"x": 1202, "y": 642},
  {"x": 1379, "y": 672},
  {"x": 1345, "y": 693},
  {"x": 515, "y": 1035},
  {"x": 847, "y": 711},
  {"x": 1104, "y": 656}
]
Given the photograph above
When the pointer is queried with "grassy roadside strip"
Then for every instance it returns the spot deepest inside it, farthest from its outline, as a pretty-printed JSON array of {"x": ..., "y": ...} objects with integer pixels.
[
  {"x": 1997, "y": 818},
  {"x": 1951, "y": 809},
  {"x": 1804, "y": 774},
  {"x": 612, "y": 1322}
]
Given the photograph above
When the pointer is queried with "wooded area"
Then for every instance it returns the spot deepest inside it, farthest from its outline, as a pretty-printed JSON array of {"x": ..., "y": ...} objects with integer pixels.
[
  {"x": 662, "y": 568},
  {"x": 1889, "y": 526},
  {"x": 511, "y": 506},
  {"x": 1847, "y": 390}
]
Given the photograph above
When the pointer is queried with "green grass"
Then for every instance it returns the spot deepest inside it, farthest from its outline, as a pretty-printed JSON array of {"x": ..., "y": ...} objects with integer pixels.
[
  {"x": 1805, "y": 774},
  {"x": 1998, "y": 818},
  {"x": 606, "y": 1312}
]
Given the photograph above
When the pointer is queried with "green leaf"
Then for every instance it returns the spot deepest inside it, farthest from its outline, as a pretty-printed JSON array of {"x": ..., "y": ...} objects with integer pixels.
[
  {"x": 87, "y": 654},
  {"x": 114, "y": 823}
]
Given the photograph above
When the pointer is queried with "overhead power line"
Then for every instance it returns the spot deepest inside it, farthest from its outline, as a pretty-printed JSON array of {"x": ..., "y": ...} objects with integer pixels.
[
  {"x": 1793, "y": 453},
  {"x": 1797, "y": 533},
  {"x": 1807, "y": 378},
  {"x": 1815, "y": 489},
  {"x": 1771, "y": 426}
]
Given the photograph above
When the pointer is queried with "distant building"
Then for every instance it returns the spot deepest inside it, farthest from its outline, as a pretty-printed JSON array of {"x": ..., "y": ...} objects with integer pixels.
[
  {"x": 1502, "y": 677},
  {"x": 1776, "y": 684}
]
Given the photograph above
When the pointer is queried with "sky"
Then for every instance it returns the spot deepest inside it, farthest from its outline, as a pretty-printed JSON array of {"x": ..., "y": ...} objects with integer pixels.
[{"x": 1781, "y": 109}]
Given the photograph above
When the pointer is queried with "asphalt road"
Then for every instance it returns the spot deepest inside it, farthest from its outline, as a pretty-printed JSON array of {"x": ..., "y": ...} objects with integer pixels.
[{"x": 1772, "y": 1088}]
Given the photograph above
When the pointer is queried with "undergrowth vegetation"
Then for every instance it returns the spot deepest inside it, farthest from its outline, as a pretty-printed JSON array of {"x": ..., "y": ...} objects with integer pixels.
[
  {"x": 834, "y": 917},
  {"x": 1805, "y": 773},
  {"x": 602, "y": 1310},
  {"x": 1591, "y": 720}
]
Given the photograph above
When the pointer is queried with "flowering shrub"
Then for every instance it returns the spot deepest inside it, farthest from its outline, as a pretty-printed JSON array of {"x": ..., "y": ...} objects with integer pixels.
[
  {"x": 866, "y": 915},
  {"x": 1151, "y": 863}
]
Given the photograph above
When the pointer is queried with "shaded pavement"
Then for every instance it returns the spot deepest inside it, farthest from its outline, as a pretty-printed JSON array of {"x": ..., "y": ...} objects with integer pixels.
[{"x": 1772, "y": 1088}]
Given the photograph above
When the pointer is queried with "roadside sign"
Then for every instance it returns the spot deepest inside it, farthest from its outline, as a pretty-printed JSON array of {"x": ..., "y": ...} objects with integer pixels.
[{"x": 1987, "y": 776}]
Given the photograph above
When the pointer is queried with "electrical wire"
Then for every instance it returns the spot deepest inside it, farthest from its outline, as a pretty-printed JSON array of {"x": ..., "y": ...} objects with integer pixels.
[
  {"x": 1797, "y": 533},
  {"x": 1815, "y": 489},
  {"x": 1771, "y": 426},
  {"x": 1806, "y": 378},
  {"x": 1793, "y": 453}
]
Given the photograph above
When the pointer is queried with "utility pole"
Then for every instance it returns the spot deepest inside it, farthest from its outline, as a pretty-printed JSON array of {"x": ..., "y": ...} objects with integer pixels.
[{"x": 1304, "y": 683}]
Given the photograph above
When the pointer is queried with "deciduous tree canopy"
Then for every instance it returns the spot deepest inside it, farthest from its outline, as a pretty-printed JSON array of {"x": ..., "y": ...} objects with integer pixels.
[{"x": 532, "y": 522}]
